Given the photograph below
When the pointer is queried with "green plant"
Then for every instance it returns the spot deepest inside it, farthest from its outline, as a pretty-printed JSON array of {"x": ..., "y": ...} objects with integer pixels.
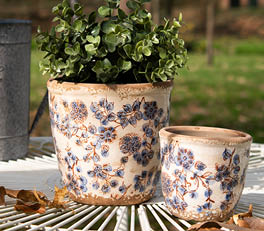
[{"x": 119, "y": 48}]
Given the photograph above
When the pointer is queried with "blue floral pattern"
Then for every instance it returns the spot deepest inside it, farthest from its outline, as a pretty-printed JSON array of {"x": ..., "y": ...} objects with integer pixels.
[
  {"x": 189, "y": 175},
  {"x": 96, "y": 142}
]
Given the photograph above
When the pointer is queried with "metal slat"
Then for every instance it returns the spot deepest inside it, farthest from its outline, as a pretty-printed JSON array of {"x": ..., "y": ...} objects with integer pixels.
[
  {"x": 58, "y": 218},
  {"x": 108, "y": 219},
  {"x": 97, "y": 218},
  {"x": 164, "y": 228},
  {"x": 174, "y": 223},
  {"x": 81, "y": 221},
  {"x": 143, "y": 219},
  {"x": 120, "y": 219},
  {"x": 72, "y": 218},
  {"x": 185, "y": 223},
  {"x": 132, "y": 222}
]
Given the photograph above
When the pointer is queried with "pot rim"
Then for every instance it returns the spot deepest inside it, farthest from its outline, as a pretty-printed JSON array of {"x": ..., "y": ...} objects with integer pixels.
[
  {"x": 51, "y": 82},
  {"x": 229, "y": 136}
]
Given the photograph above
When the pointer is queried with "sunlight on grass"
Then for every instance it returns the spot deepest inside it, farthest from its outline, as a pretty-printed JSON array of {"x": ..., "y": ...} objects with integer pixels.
[{"x": 230, "y": 94}]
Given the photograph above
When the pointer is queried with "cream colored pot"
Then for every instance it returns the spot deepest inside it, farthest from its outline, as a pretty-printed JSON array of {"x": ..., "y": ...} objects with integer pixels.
[
  {"x": 106, "y": 139},
  {"x": 203, "y": 170}
]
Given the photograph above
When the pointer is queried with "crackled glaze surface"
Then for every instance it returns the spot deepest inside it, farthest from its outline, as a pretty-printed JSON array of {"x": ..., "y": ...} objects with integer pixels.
[
  {"x": 107, "y": 142},
  {"x": 202, "y": 179}
]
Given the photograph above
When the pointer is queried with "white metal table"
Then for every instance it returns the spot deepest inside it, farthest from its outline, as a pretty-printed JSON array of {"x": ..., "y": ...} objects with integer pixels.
[{"x": 39, "y": 170}]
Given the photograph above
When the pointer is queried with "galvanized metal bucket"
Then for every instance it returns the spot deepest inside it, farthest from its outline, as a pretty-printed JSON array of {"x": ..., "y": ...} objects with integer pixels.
[{"x": 15, "y": 44}]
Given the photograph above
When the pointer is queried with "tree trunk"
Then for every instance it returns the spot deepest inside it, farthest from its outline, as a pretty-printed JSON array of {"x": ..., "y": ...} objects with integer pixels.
[
  {"x": 210, "y": 30},
  {"x": 72, "y": 2},
  {"x": 155, "y": 8},
  {"x": 166, "y": 9},
  {"x": 123, "y": 6}
]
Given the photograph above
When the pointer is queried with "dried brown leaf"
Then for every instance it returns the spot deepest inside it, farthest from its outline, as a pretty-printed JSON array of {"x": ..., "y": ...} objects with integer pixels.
[
  {"x": 59, "y": 198},
  {"x": 205, "y": 226},
  {"x": 29, "y": 201},
  {"x": 41, "y": 198},
  {"x": 255, "y": 223},
  {"x": 238, "y": 218},
  {"x": 29, "y": 207},
  {"x": 215, "y": 226},
  {"x": 12, "y": 193},
  {"x": 238, "y": 222},
  {"x": 2, "y": 195}
]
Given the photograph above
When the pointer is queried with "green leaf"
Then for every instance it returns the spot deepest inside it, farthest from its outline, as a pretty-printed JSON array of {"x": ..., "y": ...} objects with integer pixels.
[
  {"x": 95, "y": 40},
  {"x": 92, "y": 18},
  {"x": 124, "y": 65},
  {"x": 65, "y": 3},
  {"x": 132, "y": 5},
  {"x": 76, "y": 48},
  {"x": 111, "y": 38},
  {"x": 107, "y": 63},
  {"x": 55, "y": 19},
  {"x": 121, "y": 14},
  {"x": 74, "y": 58},
  {"x": 162, "y": 52},
  {"x": 77, "y": 25},
  {"x": 55, "y": 10},
  {"x": 67, "y": 11},
  {"x": 78, "y": 10},
  {"x": 104, "y": 11},
  {"x": 169, "y": 63},
  {"x": 113, "y": 3},
  {"x": 128, "y": 50},
  {"x": 90, "y": 49},
  {"x": 146, "y": 51},
  {"x": 108, "y": 27},
  {"x": 96, "y": 30},
  {"x": 102, "y": 52},
  {"x": 176, "y": 24},
  {"x": 143, "y": 13},
  {"x": 180, "y": 17},
  {"x": 69, "y": 51},
  {"x": 59, "y": 28}
]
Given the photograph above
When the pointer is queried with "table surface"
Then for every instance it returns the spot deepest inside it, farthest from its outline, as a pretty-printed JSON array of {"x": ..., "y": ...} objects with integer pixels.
[{"x": 39, "y": 170}]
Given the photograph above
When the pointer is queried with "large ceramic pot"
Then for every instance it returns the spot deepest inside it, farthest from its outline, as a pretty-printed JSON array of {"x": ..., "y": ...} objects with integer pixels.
[
  {"x": 203, "y": 170},
  {"x": 106, "y": 139}
]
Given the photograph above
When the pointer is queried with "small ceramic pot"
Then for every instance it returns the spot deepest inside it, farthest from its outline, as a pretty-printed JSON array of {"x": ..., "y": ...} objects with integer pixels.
[
  {"x": 106, "y": 139},
  {"x": 203, "y": 170}
]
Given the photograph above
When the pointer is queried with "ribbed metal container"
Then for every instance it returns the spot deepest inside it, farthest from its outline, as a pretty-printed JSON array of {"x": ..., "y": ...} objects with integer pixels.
[{"x": 15, "y": 43}]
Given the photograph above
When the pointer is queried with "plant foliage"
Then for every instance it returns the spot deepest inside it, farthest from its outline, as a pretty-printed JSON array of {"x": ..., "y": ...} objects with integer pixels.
[{"x": 118, "y": 48}]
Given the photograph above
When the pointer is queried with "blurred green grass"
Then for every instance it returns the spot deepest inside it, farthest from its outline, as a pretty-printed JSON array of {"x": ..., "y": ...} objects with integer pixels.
[{"x": 230, "y": 94}]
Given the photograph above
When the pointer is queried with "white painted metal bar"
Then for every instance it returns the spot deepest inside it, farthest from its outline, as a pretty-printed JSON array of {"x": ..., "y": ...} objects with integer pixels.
[
  {"x": 74, "y": 216},
  {"x": 121, "y": 219},
  {"x": 12, "y": 212},
  {"x": 81, "y": 221},
  {"x": 164, "y": 228},
  {"x": 13, "y": 220},
  {"x": 58, "y": 218},
  {"x": 15, "y": 216},
  {"x": 174, "y": 223},
  {"x": 97, "y": 218},
  {"x": 185, "y": 223},
  {"x": 86, "y": 217},
  {"x": 6, "y": 209},
  {"x": 143, "y": 219},
  {"x": 108, "y": 219},
  {"x": 26, "y": 224},
  {"x": 132, "y": 220}
]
